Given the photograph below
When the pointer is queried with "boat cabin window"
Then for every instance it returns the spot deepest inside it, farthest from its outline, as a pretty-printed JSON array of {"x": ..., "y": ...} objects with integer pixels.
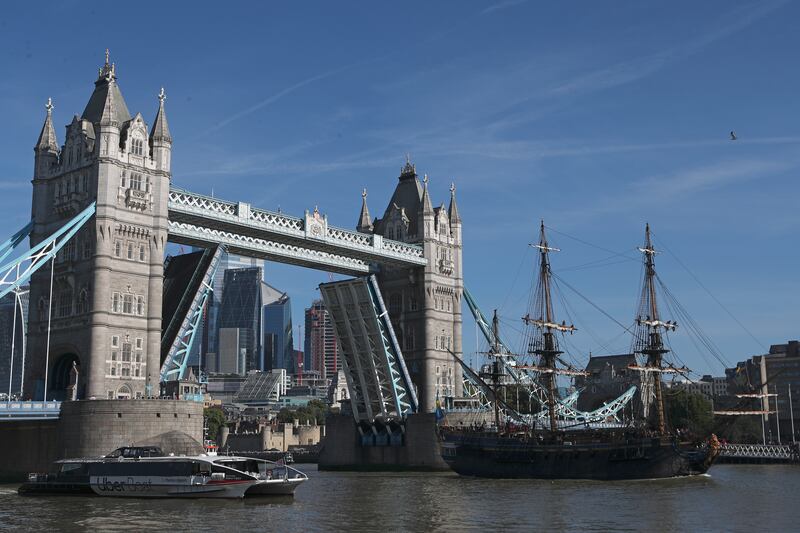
[
  {"x": 133, "y": 452},
  {"x": 73, "y": 469}
]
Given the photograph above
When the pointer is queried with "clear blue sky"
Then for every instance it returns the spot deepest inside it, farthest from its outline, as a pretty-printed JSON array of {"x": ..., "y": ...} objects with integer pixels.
[{"x": 596, "y": 116}]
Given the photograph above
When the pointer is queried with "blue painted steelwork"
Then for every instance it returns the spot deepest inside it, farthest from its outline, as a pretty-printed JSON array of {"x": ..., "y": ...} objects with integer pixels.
[
  {"x": 9, "y": 246},
  {"x": 565, "y": 409},
  {"x": 19, "y": 271},
  {"x": 405, "y": 396},
  {"x": 35, "y": 410},
  {"x": 177, "y": 359},
  {"x": 377, "y": 378}
]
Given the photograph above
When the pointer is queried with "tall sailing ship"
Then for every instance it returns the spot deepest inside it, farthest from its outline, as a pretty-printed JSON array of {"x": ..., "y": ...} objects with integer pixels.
[{"x": 561, "y": 442}]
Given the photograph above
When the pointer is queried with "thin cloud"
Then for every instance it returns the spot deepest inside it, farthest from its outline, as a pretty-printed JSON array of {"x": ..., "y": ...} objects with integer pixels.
[
  {"x": 502, "y": 5},
  {"x": 629, "y": 71},
  {"x": 277, "y": 96}
]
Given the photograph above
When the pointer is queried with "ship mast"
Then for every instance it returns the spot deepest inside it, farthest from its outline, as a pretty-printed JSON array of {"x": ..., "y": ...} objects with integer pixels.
[
  {"x": 648, "y": 340},
  {"x": 545, "y": 343}
]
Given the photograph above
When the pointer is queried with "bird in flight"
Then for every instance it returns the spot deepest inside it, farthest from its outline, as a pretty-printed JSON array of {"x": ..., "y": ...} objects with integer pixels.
[{"x": 733, "y": 135}]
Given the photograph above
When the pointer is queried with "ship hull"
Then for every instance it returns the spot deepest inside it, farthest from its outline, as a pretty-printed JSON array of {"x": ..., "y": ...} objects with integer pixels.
[{"x": 509, "y": 457}]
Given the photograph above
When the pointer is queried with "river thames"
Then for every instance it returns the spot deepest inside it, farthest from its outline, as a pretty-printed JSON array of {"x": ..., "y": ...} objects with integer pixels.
[{"x": 743, "y": 498}]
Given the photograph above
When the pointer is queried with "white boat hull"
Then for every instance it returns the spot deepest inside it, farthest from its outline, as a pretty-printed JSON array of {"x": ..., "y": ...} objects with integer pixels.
[
  {"x": 275, "y": 487},
  {"x": 157, "y": 487}
]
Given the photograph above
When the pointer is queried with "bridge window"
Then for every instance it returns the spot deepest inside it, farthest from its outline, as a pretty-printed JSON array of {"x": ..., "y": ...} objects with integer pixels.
[
  {"x": 395, "y": 304},
  {"x": 412, "y": 303},
  {"x": 410, "y": 341},
  {"x": 113, "y": 369},
  {"x": 390, "y": 233},
  {"x": 110, "y": 394},
  {"x": 140, "y": 306},
  {"x": 136, "y": 372},
  {"x": 137, "y": 147},
  {"x": 141, "y": 252},
  {"x": 126, "y": 372},
  {"x": 136, "y": 181},
  {"x": 126, "y": 352},
  {"x": 87, "y": 246},
  {"x": 130, "y": 250},
  {"x": 114, "y": 341},
  {"x": 83, "y": 302},
  {"x": 64, "y": 303},
  {"x": 127, "y": 304},
  {"x": 117, "y": 249}
]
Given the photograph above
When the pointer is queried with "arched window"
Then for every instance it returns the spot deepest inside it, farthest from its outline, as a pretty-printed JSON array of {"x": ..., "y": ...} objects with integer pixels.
[
  {"x": 124, "y": 392},
  {"x": 137, "y": 146},
  {"x": 83, "y": 302}
]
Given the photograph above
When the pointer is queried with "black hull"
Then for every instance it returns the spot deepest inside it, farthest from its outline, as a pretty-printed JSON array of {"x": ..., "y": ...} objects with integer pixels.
[
  {"x": 33, "y": 488},
  {"x": 510, "y": 457}
]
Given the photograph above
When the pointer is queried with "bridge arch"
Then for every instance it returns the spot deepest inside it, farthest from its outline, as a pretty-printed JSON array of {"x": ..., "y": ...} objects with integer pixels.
[{"x": 60, "y": 376}]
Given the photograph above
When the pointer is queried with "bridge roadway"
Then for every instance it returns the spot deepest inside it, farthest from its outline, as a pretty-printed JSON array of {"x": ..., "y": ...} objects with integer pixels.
[{"x": 198, "y": 220}]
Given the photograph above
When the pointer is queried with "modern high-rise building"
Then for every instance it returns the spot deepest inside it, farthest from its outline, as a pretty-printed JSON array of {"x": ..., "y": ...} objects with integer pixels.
[
  {"x": 254, "y": 321},
  {"x": 207, "y": 340},
  {"x": 9, "y": 306},
  {"x": 278, "y": 338},
  {"x": 321, "y": 348}
]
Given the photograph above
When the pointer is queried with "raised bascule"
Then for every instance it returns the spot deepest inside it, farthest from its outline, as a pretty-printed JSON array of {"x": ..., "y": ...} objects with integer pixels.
[{"x": 103, "y": 211}]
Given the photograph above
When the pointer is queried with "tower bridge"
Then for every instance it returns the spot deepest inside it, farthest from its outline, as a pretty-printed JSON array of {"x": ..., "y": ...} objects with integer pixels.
[{"x": 97, "y": 295}]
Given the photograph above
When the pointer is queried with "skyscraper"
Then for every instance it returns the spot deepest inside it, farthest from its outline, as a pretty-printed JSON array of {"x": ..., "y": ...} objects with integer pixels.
[
  {"x": 261, "y": 317},
  {"x": 207, "y": 337},
  {"x": 278, "y": 338},
  {"x": 321, "y": 348}
]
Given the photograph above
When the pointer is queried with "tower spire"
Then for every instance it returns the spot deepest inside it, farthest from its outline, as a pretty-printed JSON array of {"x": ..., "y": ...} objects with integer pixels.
[
  {"x": 47, "y": 138},
  {"x": 427, "y": 206},
  {"x": 452, "y": 212},
  {"x": 364, "y": 220},
  {"x": 160, "y": 130}
]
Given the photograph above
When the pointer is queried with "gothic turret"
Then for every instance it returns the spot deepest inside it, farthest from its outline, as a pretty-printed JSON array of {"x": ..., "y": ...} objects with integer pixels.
[
  {"x": 364, "y": 221},
  {"x": 106, "y": 109},
  {"x": 46, "y": 148},
  {"x": 452, "y": 211},
  {"x": 427, "y": 216},
  {"x": 106, "y": 105},
  {"x": 160, "y": 138},
  {"x": 452, "y": 214}
]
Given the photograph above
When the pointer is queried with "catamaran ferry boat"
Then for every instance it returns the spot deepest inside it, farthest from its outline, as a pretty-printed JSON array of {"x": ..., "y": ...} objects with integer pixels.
[{"x": 145, "y": 472}]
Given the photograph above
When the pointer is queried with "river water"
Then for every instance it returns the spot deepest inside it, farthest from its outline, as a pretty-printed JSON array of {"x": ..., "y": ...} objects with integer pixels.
[{"x": 745, "y": 498}]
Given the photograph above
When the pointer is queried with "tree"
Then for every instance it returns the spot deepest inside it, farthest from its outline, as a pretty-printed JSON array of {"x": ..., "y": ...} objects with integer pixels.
[
  {"x": 689, "y": 412},
  {"x": 214, "y": 419},
  {"x": 315, "y": 410}
]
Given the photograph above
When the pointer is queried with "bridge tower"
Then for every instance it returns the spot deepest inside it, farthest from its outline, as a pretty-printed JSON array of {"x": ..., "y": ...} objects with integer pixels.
[
  {"x": 424, "y": 303},
  {"x": 105, "y": 313}
]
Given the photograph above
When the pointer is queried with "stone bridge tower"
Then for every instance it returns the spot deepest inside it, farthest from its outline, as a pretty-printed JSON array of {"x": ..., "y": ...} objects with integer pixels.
[
  {"x": 425, "y": 303},
  {"x": 107, "y": 281}
]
